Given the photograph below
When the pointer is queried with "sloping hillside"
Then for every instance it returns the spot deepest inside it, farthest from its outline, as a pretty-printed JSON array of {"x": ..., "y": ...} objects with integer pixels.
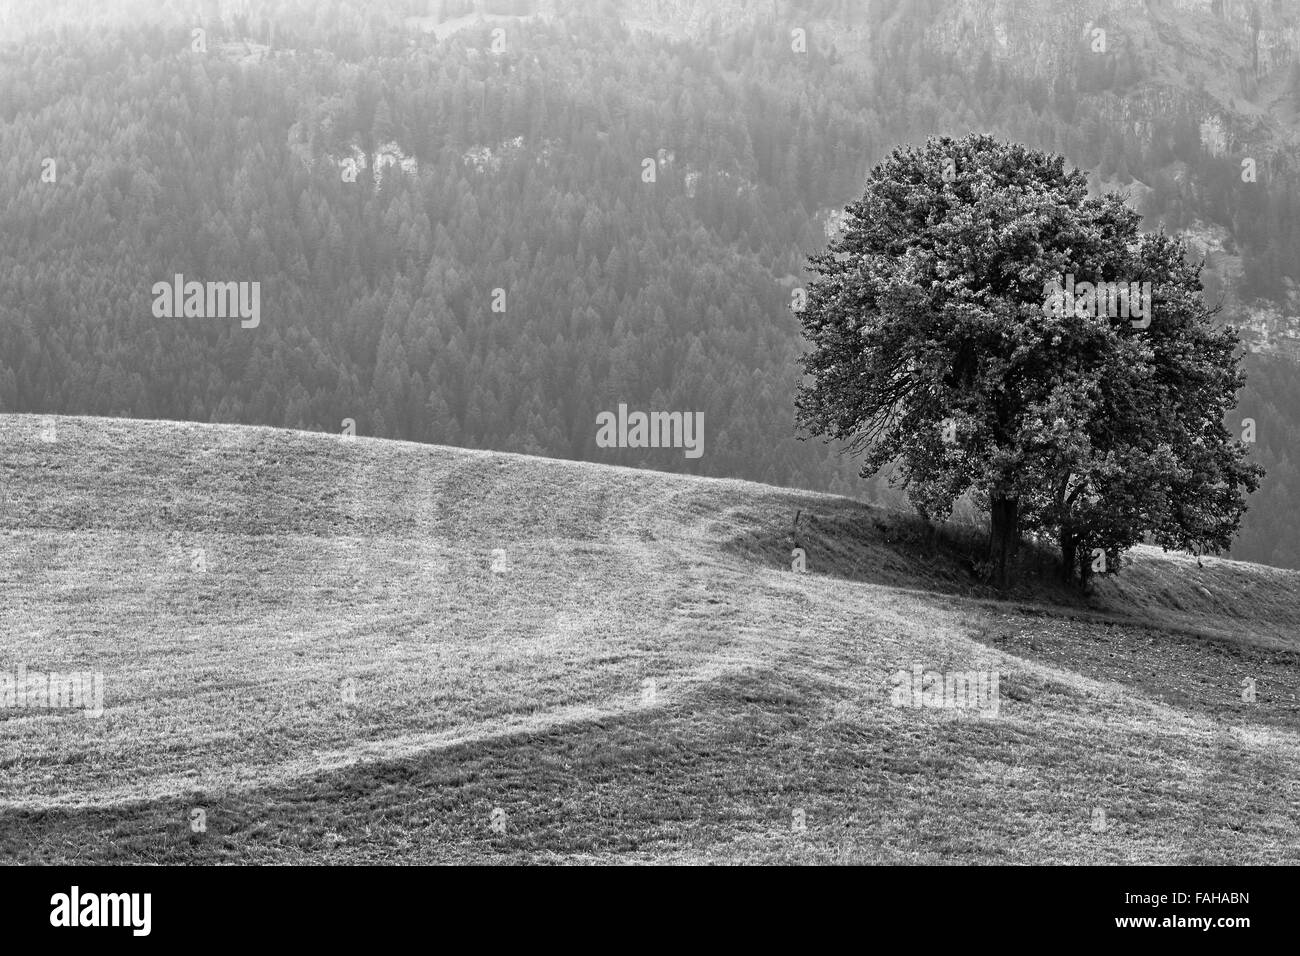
[
  {"x": 446, "y": 210},
  {"x": 349, "y": 651}
]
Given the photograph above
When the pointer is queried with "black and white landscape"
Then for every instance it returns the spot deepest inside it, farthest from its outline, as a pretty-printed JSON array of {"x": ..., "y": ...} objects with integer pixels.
[{"x": 649, "y": 431}]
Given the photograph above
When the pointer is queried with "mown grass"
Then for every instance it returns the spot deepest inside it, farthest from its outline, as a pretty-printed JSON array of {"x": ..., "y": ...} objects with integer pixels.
[{"x": 621, "y": 662}]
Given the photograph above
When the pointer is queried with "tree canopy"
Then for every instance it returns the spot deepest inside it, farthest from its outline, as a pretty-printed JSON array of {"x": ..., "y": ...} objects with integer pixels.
[{"x": 992, "y": 329}]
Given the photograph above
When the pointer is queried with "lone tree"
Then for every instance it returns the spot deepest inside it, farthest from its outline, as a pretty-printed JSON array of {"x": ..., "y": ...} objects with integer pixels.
[{"x": 990, "y": 328}]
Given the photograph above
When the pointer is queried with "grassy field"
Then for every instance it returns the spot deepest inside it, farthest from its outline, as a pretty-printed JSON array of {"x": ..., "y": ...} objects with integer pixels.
[{"x": 372, "y": 651}]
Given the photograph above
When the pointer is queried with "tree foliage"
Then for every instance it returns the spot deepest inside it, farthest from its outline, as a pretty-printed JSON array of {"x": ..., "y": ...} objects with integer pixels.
[{"x": 940, "y": 340}]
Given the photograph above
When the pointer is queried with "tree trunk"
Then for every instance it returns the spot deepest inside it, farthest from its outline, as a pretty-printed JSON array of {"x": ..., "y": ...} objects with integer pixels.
[
  {"x": 1004, "y": 538},
  {"x": 1085, "y": 572},
  {"x": 1069, "y": 556}
]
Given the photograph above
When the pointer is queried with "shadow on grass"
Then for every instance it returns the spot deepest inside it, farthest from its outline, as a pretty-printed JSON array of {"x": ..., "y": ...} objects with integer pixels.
[
  {"x": 719, "y": 777},
  {"x": 859, "y": 542}
]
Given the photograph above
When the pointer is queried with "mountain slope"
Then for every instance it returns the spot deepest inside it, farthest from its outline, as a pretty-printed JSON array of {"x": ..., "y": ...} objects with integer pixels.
[
  {"x": 359, "y": 650},
  {"x": 498, "y": 272}
]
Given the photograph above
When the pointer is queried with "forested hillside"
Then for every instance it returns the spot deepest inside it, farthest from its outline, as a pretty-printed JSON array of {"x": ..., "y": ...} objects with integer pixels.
[{"x": 499, "y": 269}]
